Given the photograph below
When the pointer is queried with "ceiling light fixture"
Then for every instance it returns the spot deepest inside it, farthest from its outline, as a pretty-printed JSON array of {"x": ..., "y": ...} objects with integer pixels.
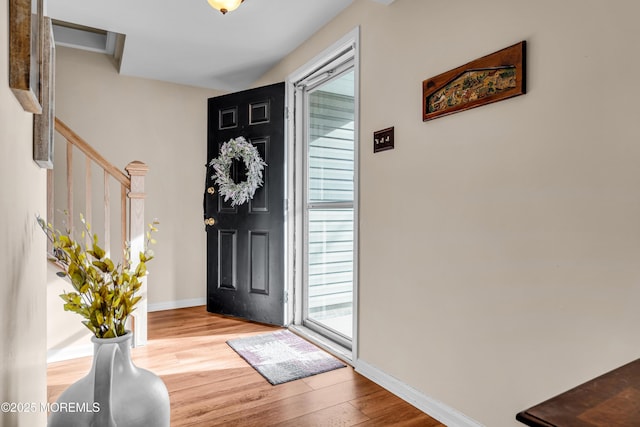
[{"x": 225, "y": 6}]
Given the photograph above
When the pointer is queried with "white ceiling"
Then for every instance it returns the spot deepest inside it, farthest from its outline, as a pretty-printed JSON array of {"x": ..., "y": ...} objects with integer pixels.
[{"x": 188, "y": 42}]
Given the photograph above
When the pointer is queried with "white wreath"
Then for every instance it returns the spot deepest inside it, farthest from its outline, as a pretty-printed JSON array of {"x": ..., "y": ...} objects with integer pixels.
[{"x": 241, "y": 192}]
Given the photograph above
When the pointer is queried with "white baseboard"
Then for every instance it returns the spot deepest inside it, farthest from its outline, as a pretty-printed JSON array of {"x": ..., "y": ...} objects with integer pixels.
[
  {"x": 58, "y": 355},
  {"x": 170, "y": 305},
  {"x": 435, "y": 409}
]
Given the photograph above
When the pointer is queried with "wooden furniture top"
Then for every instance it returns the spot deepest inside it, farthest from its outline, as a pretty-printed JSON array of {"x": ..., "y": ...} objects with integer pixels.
[{"x": 612, "y": 400}]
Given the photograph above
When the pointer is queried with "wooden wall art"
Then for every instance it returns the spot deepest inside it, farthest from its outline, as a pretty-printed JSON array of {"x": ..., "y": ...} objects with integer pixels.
[
  {"x": 25, "y": 28},
  {"x": 492, "y": 78},
  {"x": 43, "y": 124}
]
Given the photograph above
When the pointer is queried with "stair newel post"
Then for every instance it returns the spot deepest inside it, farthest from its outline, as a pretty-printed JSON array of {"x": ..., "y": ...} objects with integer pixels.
[{"x": 137, "y": 171}]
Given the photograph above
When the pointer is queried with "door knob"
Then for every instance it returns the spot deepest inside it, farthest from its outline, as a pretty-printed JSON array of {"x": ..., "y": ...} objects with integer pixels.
[
  {"x": 209, "y": 221},
  {"x": 211, "y": 190}
]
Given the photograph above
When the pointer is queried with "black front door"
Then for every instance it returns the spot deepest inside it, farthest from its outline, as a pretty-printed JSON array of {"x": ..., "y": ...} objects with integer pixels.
[{"x": 245, "y": 243}]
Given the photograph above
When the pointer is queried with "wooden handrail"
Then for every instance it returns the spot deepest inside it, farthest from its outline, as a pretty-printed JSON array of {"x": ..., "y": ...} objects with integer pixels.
[
  {"x": 90, "y": 152},
  {"x": 132, "y": 197}
]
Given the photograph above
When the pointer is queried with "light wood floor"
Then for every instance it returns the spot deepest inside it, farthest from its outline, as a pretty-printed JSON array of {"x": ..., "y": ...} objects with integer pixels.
[{"x": 210, "y": 385}]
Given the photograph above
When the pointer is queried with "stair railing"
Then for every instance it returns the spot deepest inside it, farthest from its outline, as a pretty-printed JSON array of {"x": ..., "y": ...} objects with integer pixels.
[{"x": 132, "y": 229}]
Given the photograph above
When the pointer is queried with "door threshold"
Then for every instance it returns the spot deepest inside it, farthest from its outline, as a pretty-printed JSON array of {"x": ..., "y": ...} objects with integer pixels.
[{"x": 342, "y": 353}]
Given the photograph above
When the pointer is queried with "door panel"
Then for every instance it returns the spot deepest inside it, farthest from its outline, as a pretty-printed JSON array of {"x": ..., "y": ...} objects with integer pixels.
[
  {"x": 245, "y": 245},
  {"x": 330, "y": 144}
]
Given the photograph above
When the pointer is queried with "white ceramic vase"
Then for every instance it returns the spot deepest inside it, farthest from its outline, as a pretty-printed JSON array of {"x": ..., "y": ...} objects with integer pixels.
[{"x": 114, "y": 393}]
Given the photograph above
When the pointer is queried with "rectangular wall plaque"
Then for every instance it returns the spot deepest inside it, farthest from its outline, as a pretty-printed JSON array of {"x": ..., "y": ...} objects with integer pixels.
[
  {"x": 25, "y": 29},
  {"x": 492, "y": 78},
  {"x": 383, "y": 140},
  {"x": 43, "y": 124}
]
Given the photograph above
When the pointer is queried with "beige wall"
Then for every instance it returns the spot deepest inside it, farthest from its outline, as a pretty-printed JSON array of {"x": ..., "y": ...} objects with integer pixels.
[
  {"x": 499, "y": 247},
  {"x": 126, "y": 119},
  {"x": 161, "y": 124},
  {"x": 22, "y": 256}
]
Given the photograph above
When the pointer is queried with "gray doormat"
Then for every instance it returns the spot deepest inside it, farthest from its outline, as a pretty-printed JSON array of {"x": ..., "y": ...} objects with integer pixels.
[{"x": 283, "y": 356}]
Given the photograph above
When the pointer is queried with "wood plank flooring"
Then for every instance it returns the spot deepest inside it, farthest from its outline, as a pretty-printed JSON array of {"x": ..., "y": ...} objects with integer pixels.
[{"x": 210, "y": 385}]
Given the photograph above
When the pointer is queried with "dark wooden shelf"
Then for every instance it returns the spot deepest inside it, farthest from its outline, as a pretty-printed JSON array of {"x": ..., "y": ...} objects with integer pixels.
[{"x": 611, "y": 400}]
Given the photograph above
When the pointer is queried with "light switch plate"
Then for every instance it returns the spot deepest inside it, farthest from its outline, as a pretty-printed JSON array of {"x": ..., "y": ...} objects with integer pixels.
[{"x": 383, "y": 140}]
